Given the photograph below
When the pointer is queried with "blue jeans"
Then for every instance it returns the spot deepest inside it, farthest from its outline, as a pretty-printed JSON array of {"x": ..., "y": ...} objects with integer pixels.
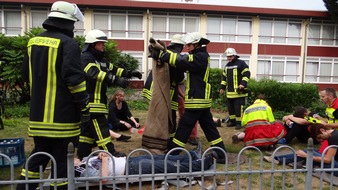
[
  {"x": 289, "y": 158},
  {"x": 145, "y": 162}
]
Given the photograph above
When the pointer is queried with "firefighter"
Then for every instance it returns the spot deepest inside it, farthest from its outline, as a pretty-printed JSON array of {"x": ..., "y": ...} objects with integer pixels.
[
  {"x": 99, "y": 74},
  {"x": 235, "y": 77},
  {"x": 57, "y": 83},
  {"x": 198, "y": 99}
]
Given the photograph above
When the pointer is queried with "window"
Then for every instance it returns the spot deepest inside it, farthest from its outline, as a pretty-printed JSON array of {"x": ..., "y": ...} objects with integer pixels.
[
  {"x": 279, "y": 31},
  {"x": 229, "y": 29},
  {"x": 119, "y": 24},
  {"x": 321, "y": 70},
  {"x": 10, "y": 22},
  {"x": 166, "y": 25},
  {"x": 283, "y": 69},
  {"x": 320, "y": 33}
]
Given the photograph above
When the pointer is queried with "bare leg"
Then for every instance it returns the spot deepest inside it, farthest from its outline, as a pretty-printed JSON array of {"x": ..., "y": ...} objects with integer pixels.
[{"x": 114, "y": 135}]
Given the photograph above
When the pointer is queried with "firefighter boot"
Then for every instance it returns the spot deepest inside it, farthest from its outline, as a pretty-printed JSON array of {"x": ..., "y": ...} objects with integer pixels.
[
  {"x": 231, "y": 123},
  {"x": 238, "y": 125}
]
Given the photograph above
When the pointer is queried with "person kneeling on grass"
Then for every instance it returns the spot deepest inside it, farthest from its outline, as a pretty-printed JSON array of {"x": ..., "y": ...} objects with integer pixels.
[
  {"x": 322, "y": 134},
  {"x": 104, "y": 161},
  {"x": 261, "y": 129}
]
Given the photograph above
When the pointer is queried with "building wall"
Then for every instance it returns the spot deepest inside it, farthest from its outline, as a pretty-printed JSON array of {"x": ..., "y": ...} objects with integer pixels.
[{"x": 265, "y": 59}]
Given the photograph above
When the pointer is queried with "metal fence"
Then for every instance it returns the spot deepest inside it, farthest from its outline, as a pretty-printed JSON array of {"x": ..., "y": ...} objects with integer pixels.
[{"x": 254, "y": 174}]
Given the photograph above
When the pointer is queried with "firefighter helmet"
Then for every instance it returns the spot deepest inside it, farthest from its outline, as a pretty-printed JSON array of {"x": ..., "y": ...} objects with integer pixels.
[
  {"x": 230, "y": 52},
  {"x": 95, "y": 36},
  {"x": 65, "y": 10},
  {"x": 177, "y": 39},
  {"x": 194, "y": 38}
]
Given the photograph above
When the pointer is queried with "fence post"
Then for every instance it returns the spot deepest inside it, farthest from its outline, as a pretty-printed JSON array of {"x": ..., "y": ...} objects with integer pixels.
[
  {"x": 309, "y": 164},
  {"x": 70, "y": 166}
]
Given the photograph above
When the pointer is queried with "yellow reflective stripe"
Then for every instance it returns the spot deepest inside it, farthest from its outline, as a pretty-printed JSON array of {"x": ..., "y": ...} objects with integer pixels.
[
  {"x": 59, "y": 183},
  {"x": 29, "y": 52},
  {"x": 172, "y": 58},
  {"x": 171, "y": 135},
  {"x": 174, "y": 105},
  {"x": 104, "y": 141},
  {"x": 44, "y": 41},
  {"x": 53, "y": 134},
  {"x": 216, "y": 141},
  {"x": 235, "y": 95},
  {"x": 98, "y": 110},
  {"x": 111, "y": 66},
  {"x": 146, "y": 94},
  {"x": 245, "y": 79},
  {"x": 119, "y": 72},
  {"x": 197, "y": 103},
  {"x": 89, "y": 65},
  {"x": 101, "y": 141},
  {"x": 190, "y": 58},
  {"x": 30, "y": 174},
  {"x": 186, "y": 94},
  {"x": 85, "y": 139},
  {"x": 223, "y": 83},
  {"x": 51, "y": 87},
  {"x": 97, "y": 91},
  {"x": 78, "y": 88},
  {"x": 179, "y": 143},
  {"x": 56, "y": 126},
  {"x": 245, "y": 70},
  {"x": 235, "y": 78}
]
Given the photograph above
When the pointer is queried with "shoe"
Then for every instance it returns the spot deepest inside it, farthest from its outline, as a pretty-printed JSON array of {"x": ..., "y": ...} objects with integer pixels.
[
  {"x": 231, "y": 124},
  {"x": 217, "y": 158},
  {"x": 198, "y": 149},
  {"x": 119, "y": 154},
  {"x": 218, "y": 123},
  {"x": 282, "y": 141},
  {"x": 225, "y": 120},
  {"x": 270, "y": 159},
  {"x": 193, "y": 141},
  {"x": 271, "y": 147},
  {"x": 123, "y": 138},
  {"x": 238, "y": 126},
  {"x": 235, "y": 139}
]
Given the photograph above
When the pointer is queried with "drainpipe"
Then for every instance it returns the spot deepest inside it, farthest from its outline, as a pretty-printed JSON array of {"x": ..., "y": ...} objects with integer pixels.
[
  {"x": 305, "y": 48},
  {"x": 25, "y": 18},
  {"x": 147, "y": 44}
]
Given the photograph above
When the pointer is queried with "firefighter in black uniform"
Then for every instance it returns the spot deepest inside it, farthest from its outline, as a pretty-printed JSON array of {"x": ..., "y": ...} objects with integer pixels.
[
  {"x": 235, "y": 77},
  {"x": 176, "y": 77},
  {"x": 197, "y": 95},
  {"x": 57, "y": 83},
  {"x": 99, "y": 74}
]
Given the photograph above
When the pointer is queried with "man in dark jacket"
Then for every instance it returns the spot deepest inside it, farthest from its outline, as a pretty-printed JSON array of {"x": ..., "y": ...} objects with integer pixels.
[
  {"x": 99, "y": 74},
  {"x": 235, "y": 77},
  {"x": 58, "y": 91}
]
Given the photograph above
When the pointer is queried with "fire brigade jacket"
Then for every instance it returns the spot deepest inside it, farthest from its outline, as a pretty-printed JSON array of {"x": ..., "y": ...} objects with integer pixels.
[
  {"x": 197, "y": 68},
  {"x": 97, "y": 80},
  {"x": 235, "y": 73},
  {"x": 330, "y": 111},
  {"x": 259, "y": 113},
  {"x": 53, "y": 69}
]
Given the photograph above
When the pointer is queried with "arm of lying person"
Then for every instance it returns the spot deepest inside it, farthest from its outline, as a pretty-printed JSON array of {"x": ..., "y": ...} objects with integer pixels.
[
  {"x": 331, "y": 125},
  {"x": 327, "y": 158},
  {"x": 298, "y": 120},
  {"x": 104, "y": 157}
]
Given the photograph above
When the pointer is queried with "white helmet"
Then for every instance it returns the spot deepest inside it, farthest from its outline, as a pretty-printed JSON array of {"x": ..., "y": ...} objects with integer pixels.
[
  {"x": 194, "y": 38},
  {"x": 230, "y": 52},
  {"x": 177, "y": 39},
  {"x": 65, "y": 10},
  {"x": 95, "y": 36}
]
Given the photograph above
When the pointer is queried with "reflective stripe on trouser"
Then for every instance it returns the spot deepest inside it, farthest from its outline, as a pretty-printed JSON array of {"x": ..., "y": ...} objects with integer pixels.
[
  {"x": 57, "y": 147},
  {"x": 235, "y": 108},
  {"x": 187, "y": 123},
  {"x": 97, "y": 132}
]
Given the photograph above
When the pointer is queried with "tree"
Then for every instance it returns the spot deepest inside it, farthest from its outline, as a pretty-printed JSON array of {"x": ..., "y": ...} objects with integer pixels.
[{"x": 332, "y": 7}]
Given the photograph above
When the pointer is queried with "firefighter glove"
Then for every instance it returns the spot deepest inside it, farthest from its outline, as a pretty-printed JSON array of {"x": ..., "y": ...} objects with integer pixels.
[
  {"x": 136, "y": 74},
  {"x": 242, "y": 90},
  {"x": 121, "y": 82}
]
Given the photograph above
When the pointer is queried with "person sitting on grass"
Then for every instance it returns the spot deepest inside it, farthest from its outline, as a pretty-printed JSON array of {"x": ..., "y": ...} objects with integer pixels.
[
  {"x": 141, "y": 164},
  {"x": 119, "y": 116},
  {"x": 320, "y": 132},
  {"x": 297, "y": 126},
  {"x": 261, "y": 129}
]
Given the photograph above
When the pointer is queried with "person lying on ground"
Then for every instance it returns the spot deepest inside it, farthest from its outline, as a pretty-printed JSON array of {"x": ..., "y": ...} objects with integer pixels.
[
  {"x": 140, "y": 164},
  {"x": 319, "y": 132}
]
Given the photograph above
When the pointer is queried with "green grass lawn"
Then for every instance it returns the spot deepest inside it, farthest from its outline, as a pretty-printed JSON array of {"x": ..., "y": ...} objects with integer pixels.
[{"x": 17, "y": 128}]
